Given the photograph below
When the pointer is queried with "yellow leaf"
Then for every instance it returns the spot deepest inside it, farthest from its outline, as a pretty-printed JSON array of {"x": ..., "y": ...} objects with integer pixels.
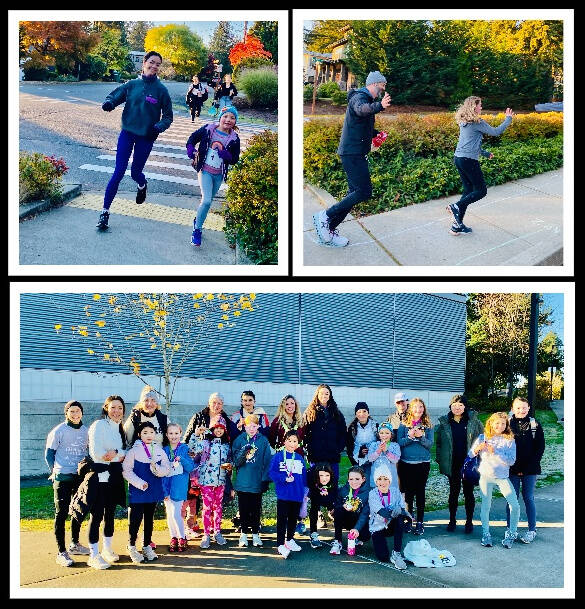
[
  {"x": 209, "y": 297},
  {"x": 83, "y": 332},
  {"x": 237, "y": 313},
  {"x": 153, "y": 346},
  {"x": 58, "y": 327},
  {"x": 197, "y": 296},
  {"x": 106, "y": 356},
  {"x": 98, "y": 334},
  {"x": 220, "y": 326},
  {"x": 225, "y": 307},
  {"x": 91, "y": 351},
  {"x": 226, "y": 317},
  {"x": 161, "y": 324},
  {"x": 176, "y": 347},
  {"x": 196, "y": 305},
  {"x": 97, "y": 296},
  {"x": 100, "y": 324},
  {"x": 112, "y": 300},
  {"x": 252, "y": 296}
]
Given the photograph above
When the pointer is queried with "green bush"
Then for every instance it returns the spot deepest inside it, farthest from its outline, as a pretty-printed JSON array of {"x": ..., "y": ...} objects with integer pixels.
[
  {"x": 307, "y": 93},
  {"x": 39, "y": 177},
  {"x": 93, "y": 68},
  {"x": 260, "y": 87},
  {"x": 327, "y": 89},
  {"x": 339, "y": 97},
  {"x": 250, "y": 63},
  {"x": 251, "y": 208},
  {"x": 66, "y": 78}
]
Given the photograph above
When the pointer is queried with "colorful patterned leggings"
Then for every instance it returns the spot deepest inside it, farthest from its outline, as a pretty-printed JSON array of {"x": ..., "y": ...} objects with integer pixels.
[{"x": 212, "y": 508}]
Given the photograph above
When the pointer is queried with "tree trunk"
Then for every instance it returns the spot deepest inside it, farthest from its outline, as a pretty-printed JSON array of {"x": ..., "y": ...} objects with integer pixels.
[{"x": 552, "y": 373}]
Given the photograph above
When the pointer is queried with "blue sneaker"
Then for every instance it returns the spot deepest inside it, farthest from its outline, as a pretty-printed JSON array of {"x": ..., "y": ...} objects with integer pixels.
[
  {"x": 453, "y": 209},
  {"x": 103, "y": 220},
  {"x": 196, "y": 237},
  {"x": 459, "y": 230},
  {"x": 301, "y": 527}
]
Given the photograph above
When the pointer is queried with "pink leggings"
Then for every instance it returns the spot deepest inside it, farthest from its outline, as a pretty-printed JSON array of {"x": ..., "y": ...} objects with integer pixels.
[{"x": 212, "y": 508}]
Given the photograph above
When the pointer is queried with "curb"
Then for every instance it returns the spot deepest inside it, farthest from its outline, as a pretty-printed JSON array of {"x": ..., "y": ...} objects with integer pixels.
[{"x": 70, "y": 191}]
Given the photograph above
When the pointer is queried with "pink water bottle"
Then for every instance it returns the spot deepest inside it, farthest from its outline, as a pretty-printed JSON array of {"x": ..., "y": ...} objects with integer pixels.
[{"x": 350, "y": 544}]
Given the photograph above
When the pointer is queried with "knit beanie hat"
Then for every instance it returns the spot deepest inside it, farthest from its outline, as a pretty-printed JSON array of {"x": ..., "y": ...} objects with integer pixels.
[
  {"x": 361, "y": 406},
  {"x": 385, "y": 425},
  {"x": 375, "y": 77},
  {"x": 72, "y": 403},
  {"x": 382, "y": 470},
  {"x": 229, "y": 109}
]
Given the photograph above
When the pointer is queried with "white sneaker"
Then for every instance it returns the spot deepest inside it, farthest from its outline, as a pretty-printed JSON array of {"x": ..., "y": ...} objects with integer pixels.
[
  {"x": 292, "y": 545},
  {"x": 397, "y": 560},
  {"x": 77, "y": 548},
  {"x": 97, "y": 562},
  {"x": 63, "y": 559},
  {"x": 149, "y": 553},
  {"x": 191, "y": 534},
  {"x": 283, "y": 551},
  {"x": 335, "y": 547},
  {"x": 337, "y": 240},
  {"x": 109, "y": 554},
  {"x": 219, "y": 539},
  {"x": 205, "y": 541},
  {"x": 256, "y": 541},
  {"x": 135, "y": 556},
  {"x": 243, "y": 543},
  {"x": 528, "y": 537},
  {"x": 321, "y": 224}
]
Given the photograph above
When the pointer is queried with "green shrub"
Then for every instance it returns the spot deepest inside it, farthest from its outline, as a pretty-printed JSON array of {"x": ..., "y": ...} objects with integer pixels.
[
  {"x": 260, "y": 87},
  {"x": 327, "y": 89},
  {"x": 495, "y": 403},
  {"x": 251, "y": 208},
  {"x": 250, "y": 63},
  {"x": 307, "y": 93},
  {"x": 34, "y": 72},
  {"x": 39, "y": 177},
  {"x": 66, "y": 78},
  {"x": 339, "y": 97},
  {"x": 93, "y": 68}
]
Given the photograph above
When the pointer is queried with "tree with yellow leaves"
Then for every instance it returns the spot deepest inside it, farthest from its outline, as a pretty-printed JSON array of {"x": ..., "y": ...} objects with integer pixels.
[{"x": 122, "y": 329}]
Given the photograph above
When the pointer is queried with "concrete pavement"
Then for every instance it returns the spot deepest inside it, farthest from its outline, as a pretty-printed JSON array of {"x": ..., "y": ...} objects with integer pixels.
[
  {"x": 519, "y": 223},
  {"x": 538, "y": 565}
]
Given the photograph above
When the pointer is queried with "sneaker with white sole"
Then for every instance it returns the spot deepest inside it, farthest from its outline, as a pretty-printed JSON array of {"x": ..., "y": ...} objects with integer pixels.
[
  {"x": 219, "y": 539},
  {"x": 337, "y": 240},
  {"x": 454, "y": 210},
  {"x": 77, "y": 549},
  {"x": 283, "y": 551},
  {"x": 335, "y": 547},
  {"x": 205, "y": 542},
  {"x": 135, "y": 556},
  {"x": 149, "y": 553},
  {"x": 509, "y": 539},
  {"x": 321, "y": 224},
  {"x": 301, "y": 527},
  {"x": 486, "y": 540},
  {"x": 315, "y": 541},
  {"x": 292, "y": 545},
  {"x": 109, "y": 555},
  {"x": 97, "y": 562},
  {"x": 256, "y": 541},
  {"x": 63, "y": 559},
  {"x": 397, "y": 560},
  {"x": 528, "y": 537},
  {"x": 192, "y": 534},
  {"x": 243, "y": 542}
]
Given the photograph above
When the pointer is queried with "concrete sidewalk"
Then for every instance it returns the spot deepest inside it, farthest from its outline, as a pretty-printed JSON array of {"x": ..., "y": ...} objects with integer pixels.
[
  {"x": 519, "y": 223},
  {"x": 538, "y": 565}
]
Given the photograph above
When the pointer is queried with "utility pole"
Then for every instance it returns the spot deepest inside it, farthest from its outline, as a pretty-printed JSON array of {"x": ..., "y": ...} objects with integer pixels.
[
  {"x": 532, "y": 351},
  {"x": 245, "y": 31}
]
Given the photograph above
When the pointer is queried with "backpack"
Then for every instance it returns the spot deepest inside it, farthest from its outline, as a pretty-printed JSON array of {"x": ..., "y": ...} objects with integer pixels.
[{"x": 470, "y": 469}]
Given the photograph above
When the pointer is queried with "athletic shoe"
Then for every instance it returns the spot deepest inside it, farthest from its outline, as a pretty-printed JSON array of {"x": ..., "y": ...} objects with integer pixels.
[
  {"x": 174, "y": 545},
  {"x": 183, "y": 545},
  {"x": 337, "y": 240},
  {"x": 419, "y": 529},
  {"x": 486, "y": 540},
  {"x": 196, "y": 237},
  {"x": 109, "y": 555},
  {"x": 283, "y": 551},
  {"x": 359, "y": 543},
  {"x": 256, "y": 541},
  {"x": 528, "y": 537},
  {"x": 193, "y": 534},
  {"x": 315, "y": 541},
  {"x": 335, "y": 547},
  {"x": 63, "y": 559},
  {"x": 205, "y": 542},
  {"x": 397, "y": 560},
  {"x": 321, "y": 224},
  {"x": 152, "y": 545},
  {"x": 135, "y": 556},
  {"x": 141, "y": 194},
  {"x": 468, "y": 528},
  {"x": 97, "y": 562},
  {"x": 292, "y": 545},
  {"x": 451, "y": 526},
  {"x": 459, "y": 230},
  {"x": 103, "y": 220},
  {"x": 149, "y": 553},
  {"x": 77, "y": 548},
  {"x": 454, "y": 210},
  {"x": 509, "y": 539},
  {"x": 301, "y": 528},
  {"x": 219, "y": 539},
  {"x": 243, "y": 543}
]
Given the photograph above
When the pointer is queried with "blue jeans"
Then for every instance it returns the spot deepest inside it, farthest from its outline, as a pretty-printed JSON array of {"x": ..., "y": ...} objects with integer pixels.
[
  {"x": 225, "y": 100},
  {"x": 528, "y": 486},
  {"x": 474, "y": 187},
  {"x": 142, "y": 148},
  {"x": 486, "y": 486},
  {"x": 209, "y": 184}
]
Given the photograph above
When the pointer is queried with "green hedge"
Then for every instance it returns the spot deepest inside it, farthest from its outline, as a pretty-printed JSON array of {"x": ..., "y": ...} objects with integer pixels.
[
  {"x": 327, "y": 89},
  {"x": 260, "y": 87}
]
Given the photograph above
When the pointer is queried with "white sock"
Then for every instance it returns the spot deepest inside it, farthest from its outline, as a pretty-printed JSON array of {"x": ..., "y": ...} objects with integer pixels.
[
  {"x": 142, "y": 187},
  {"x": 93, "y": 549},
  {"x": 108, "y": 542}
]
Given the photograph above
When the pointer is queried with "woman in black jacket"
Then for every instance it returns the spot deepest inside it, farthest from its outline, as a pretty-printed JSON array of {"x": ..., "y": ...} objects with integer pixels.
[
  {"x": 196, "y": 97},
  {"x": 529, "y": 438}
]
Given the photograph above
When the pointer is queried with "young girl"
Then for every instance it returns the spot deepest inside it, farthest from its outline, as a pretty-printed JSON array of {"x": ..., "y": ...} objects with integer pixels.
[
  {"x": 287, "y": 470},
  {"x": 529, "y": 439},
  {"x": 349, "y": 510},
  {"x": 383, "y": 452},
  {"x": 252, "y": 458},
  {"x": 415, "y": 437},
  {"x": 471, "y": 131},
  {"x": 144, "y": 466},
  {"x": 248, "y": 406},
  {"x": 147, "y": 409},
  {"x": 498, "y": 451},
  {"x": 225, "y": 92},
  {"x": 215, "y": 467},
  {"x": 66, "y": 447},
  {"x": 196, "y": 97},
  {"x": 219, "y": 146},
  {"x": 175, "y": 486},
  {"x": 322, "y": 483},
  {"x": 145, "y": 100},
  {"x": 362, "y": 431}
]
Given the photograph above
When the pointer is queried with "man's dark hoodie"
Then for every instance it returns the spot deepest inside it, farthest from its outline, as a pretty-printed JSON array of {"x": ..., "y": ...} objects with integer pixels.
[{"x": 358, "y": 127}]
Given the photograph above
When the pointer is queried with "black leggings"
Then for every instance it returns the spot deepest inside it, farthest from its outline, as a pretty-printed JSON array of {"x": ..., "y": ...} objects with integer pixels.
[
  {"x": 136, "y": 511},
  {"x": 474, "y": 187},
  {"x": 287, "y": 513},
  {"x": 250, "y": 507},
  {"x": 63, "y": 490},
  {"x": 347, "y": 520},
  {"x": 455, "y": 483},
  {"x": 102, "y": 509},
  {"x": 413, "y": 480},
  {"x": 196, "y": 110},
  {"x": 314, "y": 508},
  {"x": 379, "y": 540}
]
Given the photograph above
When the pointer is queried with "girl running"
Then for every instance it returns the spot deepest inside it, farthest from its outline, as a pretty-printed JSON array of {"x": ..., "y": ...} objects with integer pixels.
[
  {"x": 219, "y": 146},
  {"x": 196, "y": 96},
  {"x": 148, "y": 111},
  {"x": 471, "y": 131},
  {"x": 225, "y": 92}
]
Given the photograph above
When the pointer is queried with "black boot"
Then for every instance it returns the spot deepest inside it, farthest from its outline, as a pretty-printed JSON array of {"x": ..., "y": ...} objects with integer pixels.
[
  {"x": 103, "y": 221},
  {"x": 141, "y": 194}
]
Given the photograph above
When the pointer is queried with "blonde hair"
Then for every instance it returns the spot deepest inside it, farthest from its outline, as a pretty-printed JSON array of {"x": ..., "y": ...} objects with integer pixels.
[
  {"x": 425, "y": 419},
  {"x": 466, "y": 112},
  {"x": 146, "y": 390},
  {"x": 174, "y": 425},
  {"x": 489, "y": 426},
  {"x": 281, "y": 412},
  {"x": 251, "y": 418}
]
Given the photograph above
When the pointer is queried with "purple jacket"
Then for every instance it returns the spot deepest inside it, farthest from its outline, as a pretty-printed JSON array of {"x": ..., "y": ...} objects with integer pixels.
[{"x": 230, "y": 154}]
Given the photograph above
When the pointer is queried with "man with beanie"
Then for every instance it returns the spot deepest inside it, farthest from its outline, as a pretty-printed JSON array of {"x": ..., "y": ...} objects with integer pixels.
[{"x": 356, "y": 141}]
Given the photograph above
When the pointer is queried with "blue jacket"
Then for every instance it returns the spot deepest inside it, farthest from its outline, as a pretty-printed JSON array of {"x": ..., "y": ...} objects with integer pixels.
[
  {"x": 213, "y": 454},
  {"x": 415, "y": 451},
  {"x": 288, "y": 491},
  {"x": 343, "y": 494},
  {"x": 380, "y": 514},
  {"x": 176, "y": 486},
  {"x": 358, "y": 126},
  {"x": 229, "y": 155},
  {"x": 251, "y": 473}
]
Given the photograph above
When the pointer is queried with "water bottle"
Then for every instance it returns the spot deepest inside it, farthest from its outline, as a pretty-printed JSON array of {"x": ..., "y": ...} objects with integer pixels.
[{"x": 350, "y": 545}]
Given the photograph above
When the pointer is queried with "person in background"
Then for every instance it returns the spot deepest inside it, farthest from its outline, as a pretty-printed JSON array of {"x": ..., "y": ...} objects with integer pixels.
[
  {"x": 225, "y": 92},
  {"x": 196, "y": 96},
  {"x": 248, "y": 406},
  {"x": 147, "y": 409},
  {"x": 361, "y": 431}
]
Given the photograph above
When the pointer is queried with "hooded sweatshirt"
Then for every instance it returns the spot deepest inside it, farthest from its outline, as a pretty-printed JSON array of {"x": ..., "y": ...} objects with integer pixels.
[
  {"x": 471, "y": 136},
  {"x": 358, "y": 126},
  {"x": 497, "y": 464},
  {"x": 136, "y": 469}
]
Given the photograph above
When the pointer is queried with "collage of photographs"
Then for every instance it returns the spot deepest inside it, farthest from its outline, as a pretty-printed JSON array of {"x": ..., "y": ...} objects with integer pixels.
[{"x": 292, "y": 303}]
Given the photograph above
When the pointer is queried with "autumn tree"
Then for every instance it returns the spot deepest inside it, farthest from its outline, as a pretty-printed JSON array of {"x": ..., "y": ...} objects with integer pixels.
[
  {"x": 253, "y": 47},
  {"x": 267, "y": 33},
  {"x": 154, "y": 334},
  {"x": 324, "y": 34}
]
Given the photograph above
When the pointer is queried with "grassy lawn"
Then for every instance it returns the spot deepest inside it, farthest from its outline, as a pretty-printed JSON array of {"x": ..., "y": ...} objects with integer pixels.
[{"x": 37, "y": 509}]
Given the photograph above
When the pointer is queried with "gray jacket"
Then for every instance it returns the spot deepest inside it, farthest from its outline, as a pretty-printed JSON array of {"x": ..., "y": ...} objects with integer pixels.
[
  {"x": 358, "y": 126},
  {"x": 471, "y": 136}
]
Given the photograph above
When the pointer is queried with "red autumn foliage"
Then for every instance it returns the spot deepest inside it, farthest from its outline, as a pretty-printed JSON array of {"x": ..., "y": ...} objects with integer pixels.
[{"x": 253, "y": 47}]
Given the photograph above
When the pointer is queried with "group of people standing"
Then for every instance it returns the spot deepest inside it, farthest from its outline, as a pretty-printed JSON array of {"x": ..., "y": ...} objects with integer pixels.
[
  {"x": 148, "y": 111},
  {"x": 300, "y": 453}
]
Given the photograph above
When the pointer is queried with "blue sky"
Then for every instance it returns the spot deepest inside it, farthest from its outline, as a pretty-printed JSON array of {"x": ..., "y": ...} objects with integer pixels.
[
  {"x": 205, "y": 29},
  {"x": 557, "y": 304}
]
